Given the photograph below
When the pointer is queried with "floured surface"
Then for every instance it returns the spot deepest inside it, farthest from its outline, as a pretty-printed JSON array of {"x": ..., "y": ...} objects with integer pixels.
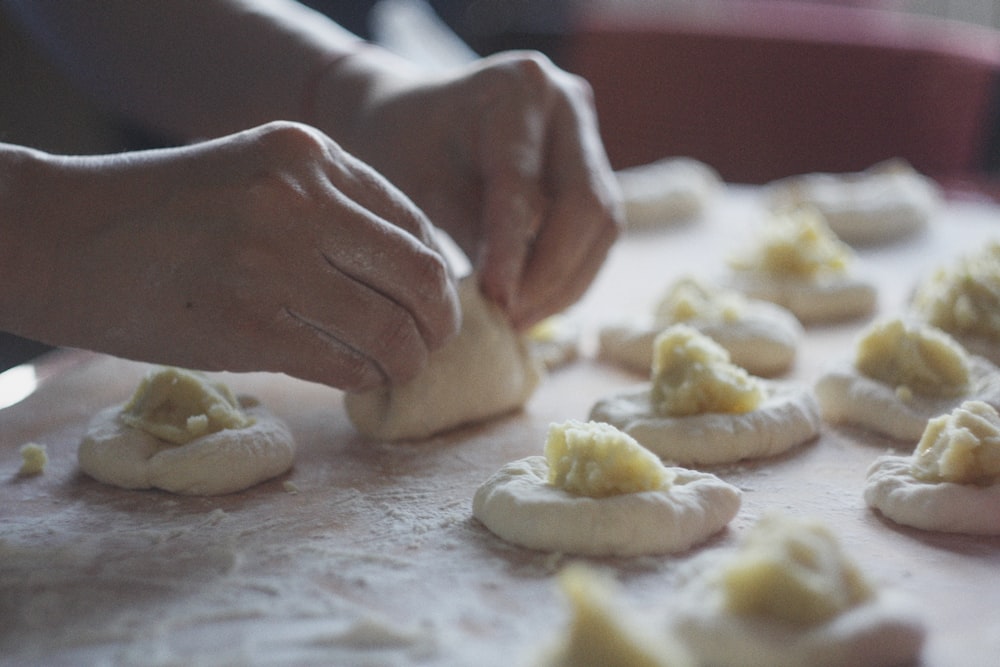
[{"x": 368, "y": 554}]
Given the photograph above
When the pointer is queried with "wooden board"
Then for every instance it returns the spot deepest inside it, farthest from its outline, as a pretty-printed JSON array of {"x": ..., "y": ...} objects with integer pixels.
[{"x": 367, "y": 553}]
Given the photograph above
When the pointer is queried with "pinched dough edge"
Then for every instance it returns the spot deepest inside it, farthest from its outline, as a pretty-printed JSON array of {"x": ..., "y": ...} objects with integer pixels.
[
  {"x": 946, "y": 507},
  {"x": 223, "y": 462},
  {"x": 847, "y": 397},
  {"x": 518, "y": 505},
  {"x": 788, "y": 416}
]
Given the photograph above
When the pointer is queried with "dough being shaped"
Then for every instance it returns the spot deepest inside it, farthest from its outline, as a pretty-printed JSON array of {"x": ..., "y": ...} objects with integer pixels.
[
  {"x": 760, "y": 336},
  {"x": 602, "y": 632},
  {"x": 519, "y": 505},
  {"x": 876, "y": 627},
  {"x": 485, "y": 371},
  {"x": 849, "y": 396},
  {"x": 667, "y": 191},
  {"x": 886, "y": 202},
  {"x": 951, "y": 482},
  {"x": 216, "y": 462},
  {"x": 963, "y": 299},
  {"x": 799, "y": 263}
]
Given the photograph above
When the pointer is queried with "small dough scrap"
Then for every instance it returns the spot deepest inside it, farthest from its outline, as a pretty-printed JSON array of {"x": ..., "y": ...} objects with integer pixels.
[
  {"x": 667, "y": 191},
  {"x": 790, "y": 597},
  {"x": 963, "y": 299},
  {"x": 800, "y": 264},
  {"x": 760, "y": 336},
  {"x": 703, "y": 410},
  {"x": 34, "y": 458},
  {"x": 485, "y": 371},
  {"x": 951, "y": 482},
  {"x": 923, "y": 373},
  {"x": 218, "y": 461},
  {"x": 521, "y": 504},
  {"x": 604, "y": 633},
  {"x": 886, "y": 202}
]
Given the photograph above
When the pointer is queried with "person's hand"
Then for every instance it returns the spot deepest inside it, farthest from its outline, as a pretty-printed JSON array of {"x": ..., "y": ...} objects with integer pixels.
[
  {"x": 271, "y": 249},
  {"x": 505, "y": 156}
]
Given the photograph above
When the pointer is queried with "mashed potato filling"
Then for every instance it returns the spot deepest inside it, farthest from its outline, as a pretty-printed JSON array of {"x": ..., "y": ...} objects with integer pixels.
[
  {"x": 965, "y": 298},
  {"x": 689, "y": 299},
  {"x": 794, "y": 571},
  {"x": 962, "y": 447},
  {"x": 178, "y": 406},
  {"x": 913, "y": 358},
  {"x": 597, "y": 460},
  {"x": 797, "y": 243},
  {"x": 691, "y": 374}
]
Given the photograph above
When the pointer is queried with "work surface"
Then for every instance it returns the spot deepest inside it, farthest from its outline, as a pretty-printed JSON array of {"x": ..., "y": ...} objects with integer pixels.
[{"x": 368, "y": 554}]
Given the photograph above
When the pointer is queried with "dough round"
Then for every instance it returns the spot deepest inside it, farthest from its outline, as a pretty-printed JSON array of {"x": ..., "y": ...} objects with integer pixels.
[
  {"x": 518, "y": 505},
  {"x": 222, "y": 462},
  {"x": 882, "y": 631},
  {"x": 847, "y": 396},
  {"x": 764, "y": 340},
  {"x": 667, "y": 191},
  {"x": 939, "y": 506},
  {"x": 788, "y": 416},
  {"x": 811, "y": 302},
  {"x": 485, "y": 371}
]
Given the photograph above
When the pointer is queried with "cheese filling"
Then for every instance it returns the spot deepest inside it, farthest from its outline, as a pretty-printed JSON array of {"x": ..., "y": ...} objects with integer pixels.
[
  {"x": 962, "y": 447},
  {"x": 689, "y": 299},
  {"x": 597, "y": 460},
  {"x": 178, "y": 406},
  {"x": 797, "y": 243},
  {"x": 914, "y": 358},
  {"x": 793, "y": 571},
  {"x": 691, "y": 374},
  {"x": 964, "y": 299}
]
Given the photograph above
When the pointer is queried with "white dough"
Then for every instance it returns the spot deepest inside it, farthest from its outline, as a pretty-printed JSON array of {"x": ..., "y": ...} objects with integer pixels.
[
  {"x": 811, "y": 301},
  {"x": 788, "y": 416},
  {"x": 222, "y": 462},
  {"x": 763, "y": 340},
  {"x": 939, "y": 506},
  {"x": 485, "y": 371},
  {"x": 847, "y": 396},
  {"x": 667, "y": 191},
  {"x": 881, "y": 632},
  {"x": 519, "y": 506}
]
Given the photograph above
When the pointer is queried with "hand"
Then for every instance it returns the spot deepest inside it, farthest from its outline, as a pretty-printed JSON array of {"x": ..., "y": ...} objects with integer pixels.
[
  {"x": 271, "y": 249},
  {"x": 506, "y": 157}
]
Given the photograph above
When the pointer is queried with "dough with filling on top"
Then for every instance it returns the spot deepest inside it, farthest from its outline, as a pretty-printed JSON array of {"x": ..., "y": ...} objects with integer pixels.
[
  {"x": 790, "y": 596},
  {"x": 486, "y": 371},
  {"x": 797, "y": 262},
  {"x": 951, "y": 482},
  {"x": 184, "y": 434},
  {"x": 716, "y": 414},
  {"x": 597, "y": 492},
  {"x": 668, "y": 191},
  {"x": 760, "y": 336},
  {"x": 883, "y": 203}
]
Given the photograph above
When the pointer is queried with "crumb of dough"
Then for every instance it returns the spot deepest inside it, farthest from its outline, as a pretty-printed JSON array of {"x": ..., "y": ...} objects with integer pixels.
[
  {"x": 791, "y": 596},
  {"x": 604, "y": 633},
  {"x": 291, "y": 487},
  {"x": 34, "y": 458}
]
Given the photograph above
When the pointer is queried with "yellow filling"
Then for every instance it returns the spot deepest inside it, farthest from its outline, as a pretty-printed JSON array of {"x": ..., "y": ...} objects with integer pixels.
[
  {"x": 965, "y": 298},
  {"x": 797, "y": 243},
  {"x": 962, "y": 447},
  {"x": 691, "y": 374},
  {"x": 914, "y": 358},
  {"x": 597, "y": 460},
  {"x": 178, "y": 406},
  {"x": 689, "y": 299},
  {"x": 793, "y": 571}
]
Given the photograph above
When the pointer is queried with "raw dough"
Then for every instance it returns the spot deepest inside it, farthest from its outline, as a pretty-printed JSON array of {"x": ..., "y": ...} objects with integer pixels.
[
  {"x": 487, "y": 370},
  {"x": 218, "y": 462},
  {"x": 888, "y": 201},
  {"x": 760, "y": 336},
  {"x": 667, "y": 191},
  {"x": 867, "y": 627},
  {"x": 518, "y": 505},
  {"x": 799, "y": 263},
  {"x": 788, "y": 416},
  {"x": 555, "y": 341}
]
